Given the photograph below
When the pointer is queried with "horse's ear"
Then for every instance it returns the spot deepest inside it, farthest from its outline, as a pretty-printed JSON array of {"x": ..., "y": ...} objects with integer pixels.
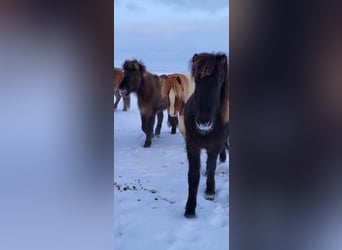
[
  {"x": 124, "y": 65},
  {"x": 223, "y": 60},
  {"x": 142, "y": 67},
  {"x": 194, "y": 57}
]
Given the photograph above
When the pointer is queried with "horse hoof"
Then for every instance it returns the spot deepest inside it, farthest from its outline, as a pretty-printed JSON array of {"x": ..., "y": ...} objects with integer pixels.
[
  {"x": 189, "y": 215},
  {"x": 209, "y": 197},
  {"x": 173, "y": 132},
  {"x": 147, "y": 144}
]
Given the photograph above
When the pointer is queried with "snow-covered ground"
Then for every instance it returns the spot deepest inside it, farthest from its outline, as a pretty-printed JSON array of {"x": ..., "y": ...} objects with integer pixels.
[{"x": 150, "y": 192}]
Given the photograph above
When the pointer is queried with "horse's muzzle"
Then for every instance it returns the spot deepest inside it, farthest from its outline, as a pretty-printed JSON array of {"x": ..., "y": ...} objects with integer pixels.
[
  {"x": 204, "y": 127},
  {"x": 123, "y": 92}
]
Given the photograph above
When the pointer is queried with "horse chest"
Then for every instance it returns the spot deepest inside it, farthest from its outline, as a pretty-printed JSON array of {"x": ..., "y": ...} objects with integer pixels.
[
  {"x": 145, "y": 108},
  {"x": 212, "y": 140}
]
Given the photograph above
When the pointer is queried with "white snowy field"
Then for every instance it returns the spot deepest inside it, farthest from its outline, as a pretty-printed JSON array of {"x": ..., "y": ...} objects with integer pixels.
[{"x": 150, "y": 192}]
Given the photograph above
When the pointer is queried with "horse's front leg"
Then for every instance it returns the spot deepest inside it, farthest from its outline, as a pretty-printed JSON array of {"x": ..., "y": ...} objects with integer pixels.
[
  {"x": 181, "y": 124},
  {"x": 160, "y": 116},
  {"x": 223, "y": 155},
  {"x": 211, "y": 167},
  {"x": 193, "y": 180},
  {"x": 149, "y": 130},
  {"x": 143, "y": 123}
]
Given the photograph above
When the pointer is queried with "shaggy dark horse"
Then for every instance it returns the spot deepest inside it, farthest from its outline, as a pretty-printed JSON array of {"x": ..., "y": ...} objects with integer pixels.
[
  {"x": 206, "y": 118},
  {"x": 118, "y": 76},
  {"x": 147, "y": 86}
]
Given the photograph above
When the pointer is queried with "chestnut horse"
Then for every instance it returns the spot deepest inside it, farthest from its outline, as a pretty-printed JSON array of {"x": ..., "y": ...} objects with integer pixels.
[
  {"x": 147, "y": 86},
  {"x": 206, "y": 118},
  {"x": 178, "y": 88},
  {"x": 118, "y": 76}
]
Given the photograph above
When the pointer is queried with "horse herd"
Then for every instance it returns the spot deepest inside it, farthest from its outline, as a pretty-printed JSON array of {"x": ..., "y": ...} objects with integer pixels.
[{"x": 201, "y": 101}]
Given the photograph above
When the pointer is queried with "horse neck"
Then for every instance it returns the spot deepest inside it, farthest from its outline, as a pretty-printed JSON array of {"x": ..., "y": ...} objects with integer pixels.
[
  {"x": 224, "y": 105},
  {"x": 145, "y": 85}
]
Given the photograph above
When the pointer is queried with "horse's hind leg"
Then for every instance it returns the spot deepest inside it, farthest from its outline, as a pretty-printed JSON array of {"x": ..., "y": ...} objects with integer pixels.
[
  {"x": 126, "y": 101},
  {"x": 193, "y": 180},
  {"x": 117, "y": 99},
  {"x": 173, "y": 121},
  {"x": 211, "y": 167},
  {"x": 149, "y": 123},
  {"x": 160, "y": 116}
]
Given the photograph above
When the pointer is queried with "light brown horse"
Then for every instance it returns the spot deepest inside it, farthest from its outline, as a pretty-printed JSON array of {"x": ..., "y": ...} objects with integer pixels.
[
  {"x": 178, "y": 88},
  {"x": 118, "y": 77}
]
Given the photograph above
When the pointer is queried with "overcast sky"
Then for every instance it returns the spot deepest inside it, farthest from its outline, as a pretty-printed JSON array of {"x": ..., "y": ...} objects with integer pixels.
[{"x": 164, "y": 34}]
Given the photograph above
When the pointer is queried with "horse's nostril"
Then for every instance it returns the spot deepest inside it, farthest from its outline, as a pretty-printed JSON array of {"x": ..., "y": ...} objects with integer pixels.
[
  {"x": 204, "y": 125},
  {"x": 123, "y": 91}
]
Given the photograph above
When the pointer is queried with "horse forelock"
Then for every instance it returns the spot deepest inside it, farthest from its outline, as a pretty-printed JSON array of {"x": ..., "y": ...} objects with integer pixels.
[{"x": 204, "y": 65}]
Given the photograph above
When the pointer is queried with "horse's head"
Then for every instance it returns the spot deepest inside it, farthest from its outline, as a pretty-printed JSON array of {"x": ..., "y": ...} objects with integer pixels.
[
  {"x": 131, "y": 82},
  {"x": 210, "y": 74}
]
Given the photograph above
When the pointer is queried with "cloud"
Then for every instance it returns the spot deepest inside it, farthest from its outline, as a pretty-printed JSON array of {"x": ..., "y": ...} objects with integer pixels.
[
  {"x": 134, "y": 6},
  {"x": 166, "y": 33},
  {"x": 205, "y": 5},
  {"x": 179, "y": 5},
  {"x": 168, "y": 46}
]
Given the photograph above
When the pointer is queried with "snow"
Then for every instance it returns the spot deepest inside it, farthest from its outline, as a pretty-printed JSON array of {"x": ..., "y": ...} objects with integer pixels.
[{"x": 150, "y": 192}]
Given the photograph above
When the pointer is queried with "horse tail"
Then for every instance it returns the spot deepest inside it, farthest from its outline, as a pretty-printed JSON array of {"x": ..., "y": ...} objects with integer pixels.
[
  {"x": 166, "y": 86},
  {"x": 172, "y": 101},
  {"x": 178, "y": 88}
]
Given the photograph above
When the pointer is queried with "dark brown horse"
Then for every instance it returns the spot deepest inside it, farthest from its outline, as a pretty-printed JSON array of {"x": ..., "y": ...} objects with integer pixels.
[
  {"x": 118, "y": 77},
  {"x": 206, "y": 118},
  {"x": 147, "y": 86}
]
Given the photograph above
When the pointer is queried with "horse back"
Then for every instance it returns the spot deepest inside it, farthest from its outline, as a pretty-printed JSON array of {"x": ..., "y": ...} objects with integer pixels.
[
  {"x": 118, "y": 77},
  {"x": 150, "y": 98}
]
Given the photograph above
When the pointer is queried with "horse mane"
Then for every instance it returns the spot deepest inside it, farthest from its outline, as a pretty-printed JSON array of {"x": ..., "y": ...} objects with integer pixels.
[
  {"x": 203, "y": 65},
  {"x": 225, "y": 98},
  {"x": 134, "y": 65}
]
